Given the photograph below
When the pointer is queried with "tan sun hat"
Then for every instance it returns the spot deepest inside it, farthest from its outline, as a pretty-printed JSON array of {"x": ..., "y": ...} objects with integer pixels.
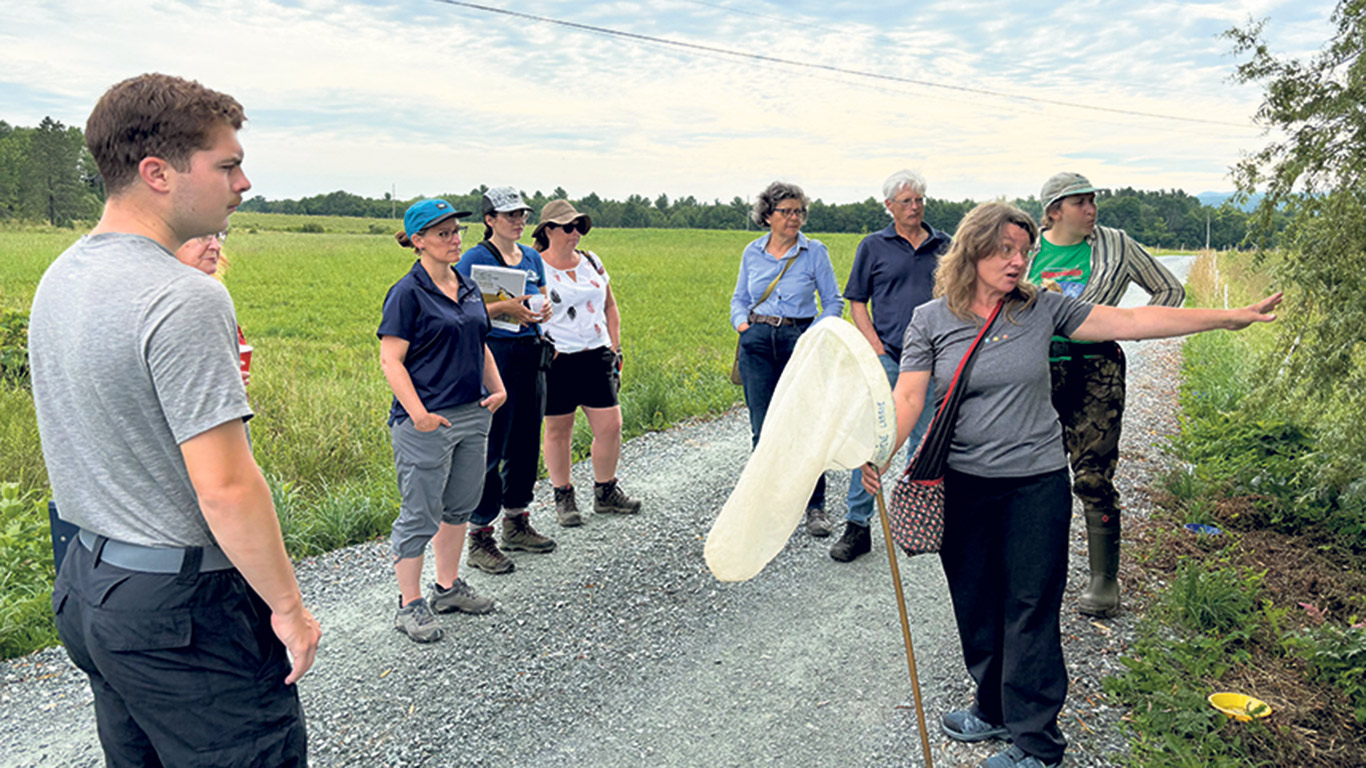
[{"x": 562, "y": 212}]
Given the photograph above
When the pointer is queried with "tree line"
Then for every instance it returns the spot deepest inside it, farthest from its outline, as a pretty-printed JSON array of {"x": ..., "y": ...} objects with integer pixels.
[{"x": 47, "y": 174}]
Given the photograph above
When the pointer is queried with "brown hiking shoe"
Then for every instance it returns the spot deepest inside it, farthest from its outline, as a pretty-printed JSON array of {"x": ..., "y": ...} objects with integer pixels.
[
  {"x": 519, "y": 535},
  {"x": 484, "y": 553},
  {"x": 567, "y": 508},
  {"x": 608, "y": 498}
]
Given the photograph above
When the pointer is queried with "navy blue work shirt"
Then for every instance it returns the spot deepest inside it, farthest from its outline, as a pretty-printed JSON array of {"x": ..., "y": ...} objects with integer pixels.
[
  {"x": 531, "y": 264},
  {"x": 894, "y": 278},
  {"x": 445, "y": 339}
]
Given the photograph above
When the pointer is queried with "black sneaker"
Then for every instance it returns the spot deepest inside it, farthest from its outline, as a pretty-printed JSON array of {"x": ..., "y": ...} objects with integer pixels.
[
  {"x": 608, "y": 498},
  {"x": 855, "y": 541},
  {"x": 818, "y": 523},
  {"x": 484, "y": 552}
]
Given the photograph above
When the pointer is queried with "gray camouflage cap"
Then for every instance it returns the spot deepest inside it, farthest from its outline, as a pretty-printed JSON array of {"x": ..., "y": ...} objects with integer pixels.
[{"x": 1063, "y": 184}]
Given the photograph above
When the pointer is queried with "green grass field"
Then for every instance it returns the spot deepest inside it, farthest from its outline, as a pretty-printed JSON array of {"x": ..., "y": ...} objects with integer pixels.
[{"x": 309, "y": 303}]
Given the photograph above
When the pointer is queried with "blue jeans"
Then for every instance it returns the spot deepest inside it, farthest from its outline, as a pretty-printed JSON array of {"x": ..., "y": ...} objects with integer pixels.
[
  {"x": 764, "y": 352},
  {"x": 860, "y": 502}
]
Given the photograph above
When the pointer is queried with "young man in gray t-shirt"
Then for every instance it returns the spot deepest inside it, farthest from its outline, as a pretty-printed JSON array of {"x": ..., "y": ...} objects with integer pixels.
[{"x": 179, "y": 600}]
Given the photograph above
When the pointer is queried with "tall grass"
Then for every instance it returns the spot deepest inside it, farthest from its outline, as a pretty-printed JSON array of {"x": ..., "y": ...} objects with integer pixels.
[{"x": 310, "y": 304}]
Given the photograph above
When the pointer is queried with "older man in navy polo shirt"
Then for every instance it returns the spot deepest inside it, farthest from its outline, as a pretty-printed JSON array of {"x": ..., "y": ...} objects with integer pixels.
[{"x": 894, "y": 271}]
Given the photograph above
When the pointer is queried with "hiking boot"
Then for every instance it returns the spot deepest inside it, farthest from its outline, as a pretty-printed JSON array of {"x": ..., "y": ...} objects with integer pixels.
[
  {"x": 855, "y": 541},
  {"x": 519, "y": 535},
  {"x": 1014, "y": 757},
  {"x": 417, "y": 622},
  {"x": 567, "y": 508},
  {"x": 818, "y": 523},
  {"x": 484, "y": 553},
  {"x": 962, "y": 725},
  {"x": 608, "y": 498},
  {"x": 460, "y": 597}
]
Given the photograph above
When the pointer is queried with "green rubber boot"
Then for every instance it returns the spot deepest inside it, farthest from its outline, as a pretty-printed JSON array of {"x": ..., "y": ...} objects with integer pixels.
[{"x": 1101, "y": 596}]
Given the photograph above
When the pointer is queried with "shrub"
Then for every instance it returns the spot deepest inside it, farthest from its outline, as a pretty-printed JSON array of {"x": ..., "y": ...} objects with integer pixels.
[
  {"x": 26, "y": 622},
  {"x": 1337, "y": 655},
  {"x": 14, "y": 346}
]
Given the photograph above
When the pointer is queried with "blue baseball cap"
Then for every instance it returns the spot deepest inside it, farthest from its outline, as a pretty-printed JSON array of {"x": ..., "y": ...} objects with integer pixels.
[{"x": 425, "y": 213}]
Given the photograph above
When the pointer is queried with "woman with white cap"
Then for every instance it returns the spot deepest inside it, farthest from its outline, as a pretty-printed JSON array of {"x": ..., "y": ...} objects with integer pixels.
[
  {"x": 586, "y": 371},
  {"x": 446, "y": 387},
  {"x": 514, "y": 447}
]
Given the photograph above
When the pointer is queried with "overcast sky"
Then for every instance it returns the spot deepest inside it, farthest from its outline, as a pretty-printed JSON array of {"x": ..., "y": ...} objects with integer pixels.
[{"x": 424, "y": 96}]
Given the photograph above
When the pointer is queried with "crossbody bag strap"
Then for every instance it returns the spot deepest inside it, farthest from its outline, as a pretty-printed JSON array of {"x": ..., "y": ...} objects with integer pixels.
[
  {"x": 960, "y": 375},
  {"x": 769, "y": 290}
]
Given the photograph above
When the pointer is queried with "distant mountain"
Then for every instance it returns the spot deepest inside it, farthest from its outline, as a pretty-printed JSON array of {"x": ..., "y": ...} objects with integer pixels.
[{"x": 1216, "y": 199}]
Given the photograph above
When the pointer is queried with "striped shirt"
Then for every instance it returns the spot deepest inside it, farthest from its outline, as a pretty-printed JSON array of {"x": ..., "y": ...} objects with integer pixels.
[{"x": 1118, "y": 260}]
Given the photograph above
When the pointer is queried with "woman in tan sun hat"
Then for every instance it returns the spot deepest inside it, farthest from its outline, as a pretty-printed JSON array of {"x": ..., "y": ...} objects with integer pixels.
[{"x": 585, "y": 328}]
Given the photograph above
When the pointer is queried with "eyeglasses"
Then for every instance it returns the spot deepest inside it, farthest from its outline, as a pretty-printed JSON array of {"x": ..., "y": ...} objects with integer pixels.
[
  {"x": 1008, "y": 250},
  {"x": 516, "y": 215},
  {"x": 219, "y": 236},
  {"x": 904, "y": 201},
  {"x": 445, "y": 234},
  {"x": 571, "y": 227},
  {"x": 791, "y": 213}
]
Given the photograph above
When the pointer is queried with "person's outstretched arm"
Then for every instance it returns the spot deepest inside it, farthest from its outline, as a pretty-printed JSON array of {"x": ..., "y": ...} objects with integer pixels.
[{"x": 1152, "y": 322}]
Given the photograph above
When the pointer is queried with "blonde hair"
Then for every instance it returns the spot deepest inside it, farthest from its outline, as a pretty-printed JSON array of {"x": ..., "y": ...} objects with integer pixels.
[{"x": 979, "y": 237}]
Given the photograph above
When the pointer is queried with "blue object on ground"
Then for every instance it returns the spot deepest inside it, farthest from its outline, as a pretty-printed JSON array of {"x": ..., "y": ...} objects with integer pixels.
[{"x": 1209, "y": 530}]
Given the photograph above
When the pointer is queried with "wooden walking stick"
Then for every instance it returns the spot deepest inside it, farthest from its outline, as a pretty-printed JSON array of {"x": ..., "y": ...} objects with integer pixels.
[{"x": 905, "y": 627}]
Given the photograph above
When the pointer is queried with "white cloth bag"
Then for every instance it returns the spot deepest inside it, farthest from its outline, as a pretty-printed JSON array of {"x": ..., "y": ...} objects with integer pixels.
[{"x": 832, "y": 409}]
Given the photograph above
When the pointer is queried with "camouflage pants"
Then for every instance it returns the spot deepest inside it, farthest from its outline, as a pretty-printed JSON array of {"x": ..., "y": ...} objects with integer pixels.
[{"x": 1088, "y": 394}]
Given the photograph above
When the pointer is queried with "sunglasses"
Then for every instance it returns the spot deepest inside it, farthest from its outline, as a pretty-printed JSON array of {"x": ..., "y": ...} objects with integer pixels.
[{"x": 571, "y": 227}]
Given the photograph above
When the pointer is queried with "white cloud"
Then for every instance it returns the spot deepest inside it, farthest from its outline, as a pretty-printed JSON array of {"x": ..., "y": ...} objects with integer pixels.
[{"x": 436, "y": 98}]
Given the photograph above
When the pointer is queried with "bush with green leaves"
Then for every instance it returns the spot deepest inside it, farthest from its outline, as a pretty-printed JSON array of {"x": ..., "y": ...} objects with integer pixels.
[
  {"x": 14, "y": 346},
  {"x": 26, "y": 573},
  {"x": 1337, "y": 655}
]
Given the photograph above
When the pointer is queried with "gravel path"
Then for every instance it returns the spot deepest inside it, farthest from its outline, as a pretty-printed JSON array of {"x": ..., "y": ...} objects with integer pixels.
[{"x": 620, "y": 649}]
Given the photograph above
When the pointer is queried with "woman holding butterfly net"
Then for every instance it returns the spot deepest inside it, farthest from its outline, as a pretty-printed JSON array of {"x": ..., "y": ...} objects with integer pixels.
[{"x": 1006, "y": 496}]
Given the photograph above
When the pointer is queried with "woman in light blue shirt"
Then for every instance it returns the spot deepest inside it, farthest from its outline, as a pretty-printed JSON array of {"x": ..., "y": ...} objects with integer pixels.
[{"x": 769, "y": 320}]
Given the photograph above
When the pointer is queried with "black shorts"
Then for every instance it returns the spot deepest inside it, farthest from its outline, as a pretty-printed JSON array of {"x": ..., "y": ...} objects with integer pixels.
[{"x": 588, "y": 378}]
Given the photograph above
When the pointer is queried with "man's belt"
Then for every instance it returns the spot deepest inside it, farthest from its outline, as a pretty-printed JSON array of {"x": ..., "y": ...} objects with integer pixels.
[
  {"x": 136, "y": 557},
  {"x": 776, "y": 321}
]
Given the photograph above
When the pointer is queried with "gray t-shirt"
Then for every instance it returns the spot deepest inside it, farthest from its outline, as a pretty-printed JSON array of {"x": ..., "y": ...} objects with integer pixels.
[
  {"x": 132, "y": 354},
  {"x": 1006, "y": 424}
]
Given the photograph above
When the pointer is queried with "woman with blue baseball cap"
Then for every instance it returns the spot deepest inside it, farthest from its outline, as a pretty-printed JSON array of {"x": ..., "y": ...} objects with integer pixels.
[{"x": 446, "y": 388}]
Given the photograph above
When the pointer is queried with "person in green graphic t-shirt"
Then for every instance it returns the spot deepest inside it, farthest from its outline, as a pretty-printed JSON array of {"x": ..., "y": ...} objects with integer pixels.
[{"x": 1096, "y": 264}]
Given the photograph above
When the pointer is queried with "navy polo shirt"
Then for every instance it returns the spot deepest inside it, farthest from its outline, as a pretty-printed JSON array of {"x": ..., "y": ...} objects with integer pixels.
[
  {"x": 531, "y": 264},
  {"x": 895, "y": 278},
  {"x": 445, "y": 339}
]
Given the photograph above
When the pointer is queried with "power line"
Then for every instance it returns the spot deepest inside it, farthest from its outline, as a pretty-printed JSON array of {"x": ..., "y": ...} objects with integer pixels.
[{"x": 830, "y": 68}]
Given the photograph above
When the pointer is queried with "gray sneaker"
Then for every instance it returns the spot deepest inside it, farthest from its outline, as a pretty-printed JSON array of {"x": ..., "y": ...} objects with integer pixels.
[
  {"x": 818, "y": 523},
  {"x": 962, "y": 725},
  {"x": 519, "y": 535},
  {"x": 567, "y": 508},
  {"x": 417, "y": 622},
  {"x": 460, "y": 597},
  {"x": 484, "y": 553},
  {"x": 608, "y": 498}
]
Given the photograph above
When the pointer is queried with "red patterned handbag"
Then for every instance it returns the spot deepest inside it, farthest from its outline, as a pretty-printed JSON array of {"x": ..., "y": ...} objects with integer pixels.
[{"x": 916, "y": 513}]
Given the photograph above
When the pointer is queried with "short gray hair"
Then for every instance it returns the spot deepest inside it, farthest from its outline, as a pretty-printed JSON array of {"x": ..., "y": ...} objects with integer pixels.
[
  {"x": 903, "y": 179},
  {"x": 767, "y": 201}
]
